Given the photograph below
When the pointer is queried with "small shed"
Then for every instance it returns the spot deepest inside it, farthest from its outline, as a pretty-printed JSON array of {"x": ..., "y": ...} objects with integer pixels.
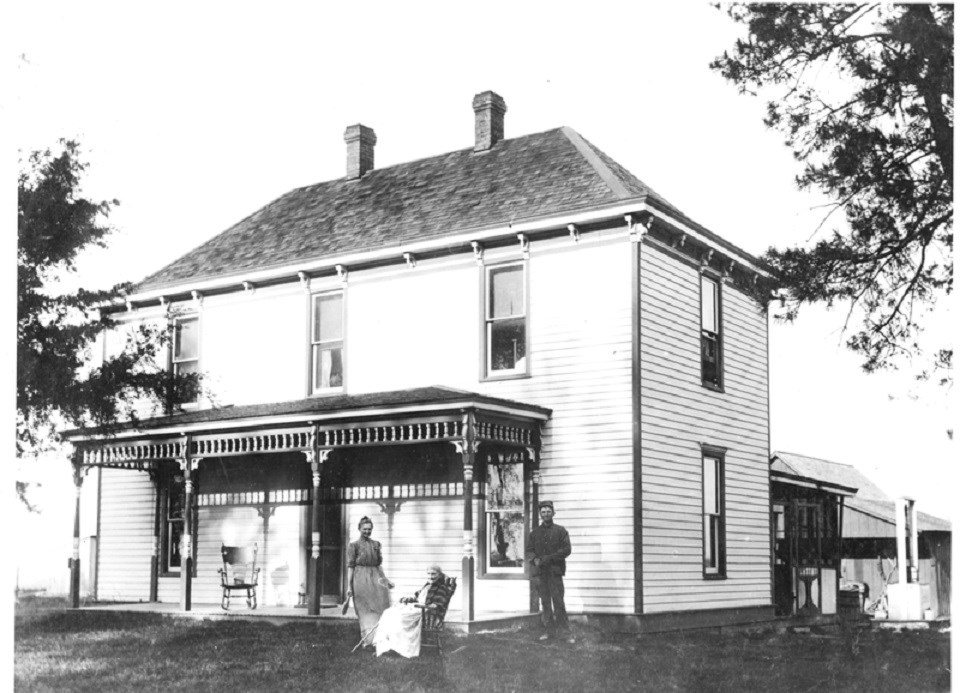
[
  {"x": 807, "y": 521},
  {"x": 868, "y": 533}
]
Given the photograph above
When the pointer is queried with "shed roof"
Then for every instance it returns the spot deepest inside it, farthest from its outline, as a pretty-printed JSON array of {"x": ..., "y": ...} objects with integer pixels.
[
  {"x": 530, "y": 177},
  {"x": 869, "y": 498},
  {"x": 831, "y": 472}
]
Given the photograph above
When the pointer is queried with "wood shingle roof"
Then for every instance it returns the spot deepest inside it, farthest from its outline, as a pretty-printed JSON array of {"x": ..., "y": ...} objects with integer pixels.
[{"x": 533, "y": 176}]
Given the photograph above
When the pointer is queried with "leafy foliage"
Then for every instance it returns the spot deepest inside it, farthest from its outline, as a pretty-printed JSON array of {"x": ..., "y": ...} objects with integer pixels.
[
  {"x": 55, "y": 331},
  {"x": 864, "y": 96}
]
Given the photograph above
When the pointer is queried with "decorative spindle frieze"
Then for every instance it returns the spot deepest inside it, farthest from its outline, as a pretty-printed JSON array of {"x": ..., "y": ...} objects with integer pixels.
[{"x": 365, "y": 435}]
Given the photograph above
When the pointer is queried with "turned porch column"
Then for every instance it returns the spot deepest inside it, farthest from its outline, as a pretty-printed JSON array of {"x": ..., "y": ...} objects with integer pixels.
[
  {"x": 468, "y": 452},
  {"x": 316, "y": 458},
  {"x": 188, "y": 465},
  {"x": 156, "y": 476},
  {"x": 534, "y": 453},
  {"x": 78, "y": 474}
]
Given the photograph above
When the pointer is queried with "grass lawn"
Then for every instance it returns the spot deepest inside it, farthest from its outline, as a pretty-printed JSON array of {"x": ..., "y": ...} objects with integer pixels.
[{"x": 59, "y": 650}]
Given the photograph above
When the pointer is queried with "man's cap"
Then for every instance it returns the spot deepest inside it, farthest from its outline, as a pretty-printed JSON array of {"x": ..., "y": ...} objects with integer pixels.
[{"x": 546, "y": 504}]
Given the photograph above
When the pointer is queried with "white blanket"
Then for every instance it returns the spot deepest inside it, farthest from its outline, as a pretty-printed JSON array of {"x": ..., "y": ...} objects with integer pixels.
[{"x": 399, "y": 630}]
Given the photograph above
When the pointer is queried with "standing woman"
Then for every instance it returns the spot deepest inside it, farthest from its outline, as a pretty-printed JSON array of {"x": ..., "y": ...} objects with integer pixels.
[{"x": 366, "y": 582}]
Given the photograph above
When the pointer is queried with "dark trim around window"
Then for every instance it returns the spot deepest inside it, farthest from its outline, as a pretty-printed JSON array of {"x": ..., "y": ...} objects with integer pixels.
[
  {"x": 711, "y": 340},
  {"x": 517, "y": 573},
  {"x": 315, "y": 344},
  {"x": 487, "y": 323},
  {"x": 714, "y": 523}
]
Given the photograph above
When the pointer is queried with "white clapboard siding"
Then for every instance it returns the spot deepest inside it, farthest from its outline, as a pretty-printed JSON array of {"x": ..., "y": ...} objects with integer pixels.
[
  {"x": 424, "y": 532},
  {"x": 580, "y": 356},
  {"x": 279, "y": 558},
  {"x": 677, "y": 415},
  {"x": 127, "y": 503}
]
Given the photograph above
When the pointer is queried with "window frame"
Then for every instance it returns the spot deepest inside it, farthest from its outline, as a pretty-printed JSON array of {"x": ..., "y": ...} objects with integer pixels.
[
  {"x": 486, "y": 352},
  {"x": 175, "y": 362},
  {"x": 719, "y": 570},
  {"x": 484, "y": 570},
  {"x": 317, "y": 344},
  {"x": 715, "y": 336}
]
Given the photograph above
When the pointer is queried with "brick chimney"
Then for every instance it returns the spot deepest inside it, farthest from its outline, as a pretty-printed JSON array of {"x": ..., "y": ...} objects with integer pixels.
[
  {"x": 360, "y": 140},
  {"x": 489, "y": 108}
]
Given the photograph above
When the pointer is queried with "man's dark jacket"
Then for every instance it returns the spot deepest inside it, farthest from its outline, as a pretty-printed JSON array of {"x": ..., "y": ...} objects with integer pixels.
[{"x": 551, "y": 544}]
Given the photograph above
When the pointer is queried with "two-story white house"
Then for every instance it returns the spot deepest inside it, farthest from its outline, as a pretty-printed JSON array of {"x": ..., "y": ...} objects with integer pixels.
[{"x": 437, "y": 345}]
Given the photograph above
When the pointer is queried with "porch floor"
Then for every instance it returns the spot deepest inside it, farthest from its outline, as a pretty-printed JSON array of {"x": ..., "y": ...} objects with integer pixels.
[{"x": 278, "y": 615}]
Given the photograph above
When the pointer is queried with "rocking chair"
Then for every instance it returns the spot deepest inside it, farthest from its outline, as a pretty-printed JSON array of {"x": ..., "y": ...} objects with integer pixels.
[
  {"x": 239, "y": 572},
  {"x": 431, "y": 630}
]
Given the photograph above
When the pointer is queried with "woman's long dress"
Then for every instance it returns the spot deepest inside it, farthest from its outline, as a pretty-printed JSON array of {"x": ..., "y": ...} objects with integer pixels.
[{"x": 370, "y": 596}]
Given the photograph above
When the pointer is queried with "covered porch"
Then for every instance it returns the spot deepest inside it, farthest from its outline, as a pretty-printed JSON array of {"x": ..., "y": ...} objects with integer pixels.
[
  {"x": 807, "y": 524},
  {"x": 447, "y": 476}
]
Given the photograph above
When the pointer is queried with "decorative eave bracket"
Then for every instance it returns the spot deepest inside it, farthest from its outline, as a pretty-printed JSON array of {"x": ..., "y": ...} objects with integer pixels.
[
  {"x": 638, "y": 225},
  {"x": 524, "y": 245},
  {"x": 477, "y": 252},
  {"x": 304, "y": 280}
]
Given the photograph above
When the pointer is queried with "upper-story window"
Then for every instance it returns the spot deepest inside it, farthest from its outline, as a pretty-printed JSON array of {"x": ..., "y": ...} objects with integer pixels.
[
  {"x": 186, "y": 349},
  {"x": 714, "y": 549},
  {"x": 505, "y": 320},
  {"x": 326, "y": 332},
  {"x": 710, "y": 342}
]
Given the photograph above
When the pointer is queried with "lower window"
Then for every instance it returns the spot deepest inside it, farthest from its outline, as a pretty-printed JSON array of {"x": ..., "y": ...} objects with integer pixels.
[
  {"x": 714, "y": 550},
  {"x": 504, "y": 514}
]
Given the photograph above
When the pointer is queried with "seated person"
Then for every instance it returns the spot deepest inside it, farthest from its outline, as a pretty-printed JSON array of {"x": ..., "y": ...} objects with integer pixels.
[{"x": 399, "y": 626}]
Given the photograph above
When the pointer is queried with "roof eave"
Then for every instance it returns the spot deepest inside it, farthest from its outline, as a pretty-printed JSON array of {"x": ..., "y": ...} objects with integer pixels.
[{"x": 462, "y": 240}]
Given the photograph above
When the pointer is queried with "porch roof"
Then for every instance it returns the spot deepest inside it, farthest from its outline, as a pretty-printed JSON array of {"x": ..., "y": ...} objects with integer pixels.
[
  {"x": 785, "y": 474},
  {"x": 413, "y": 401}
]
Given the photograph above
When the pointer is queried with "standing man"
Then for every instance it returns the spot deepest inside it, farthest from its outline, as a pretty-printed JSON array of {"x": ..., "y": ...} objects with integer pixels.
[{"x": 547, "y": 549}]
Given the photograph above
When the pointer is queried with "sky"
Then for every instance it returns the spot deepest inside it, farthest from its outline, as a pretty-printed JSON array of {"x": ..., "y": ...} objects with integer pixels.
[{"x": 194, "y": 115}]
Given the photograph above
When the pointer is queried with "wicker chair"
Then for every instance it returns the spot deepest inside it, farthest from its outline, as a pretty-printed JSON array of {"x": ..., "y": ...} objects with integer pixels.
[{"x": 239, "y": 573}]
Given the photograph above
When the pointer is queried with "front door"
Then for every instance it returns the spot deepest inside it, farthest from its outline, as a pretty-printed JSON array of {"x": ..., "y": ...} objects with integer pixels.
[{"x": 331, "y": 553}]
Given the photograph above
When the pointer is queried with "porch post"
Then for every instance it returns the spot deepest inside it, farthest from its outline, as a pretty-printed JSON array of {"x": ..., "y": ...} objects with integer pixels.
[
  {"x": 78, "y": 474},
  {"x": 534, "y": 453},
  {"x": 468, "y": 451},
  {"x": 187, "y": 465},
  {"x": 155, "y": 473},
  {"x": 316, "y": 458},
  {"x": 839, "y": 543}
]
